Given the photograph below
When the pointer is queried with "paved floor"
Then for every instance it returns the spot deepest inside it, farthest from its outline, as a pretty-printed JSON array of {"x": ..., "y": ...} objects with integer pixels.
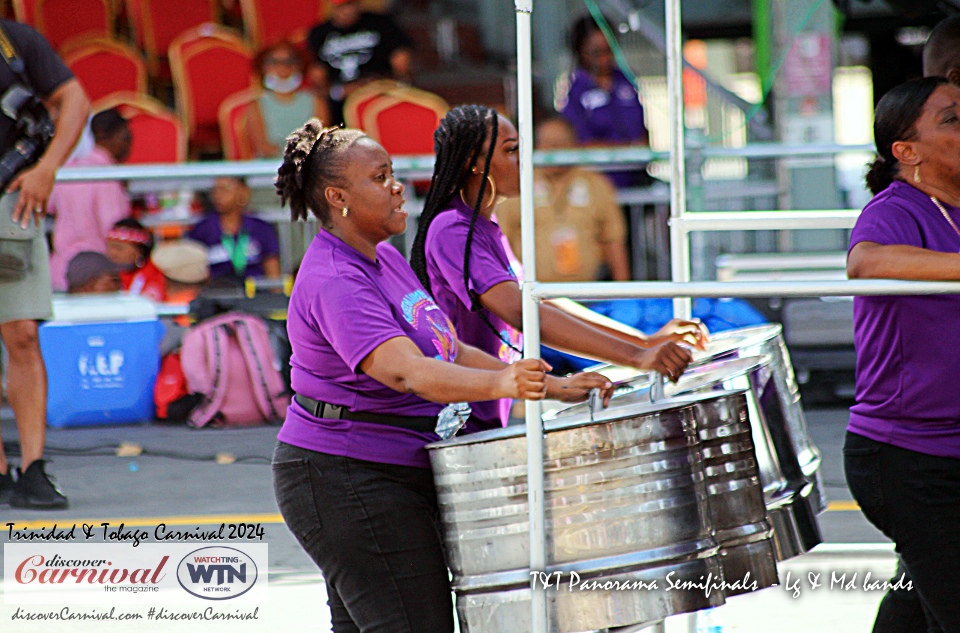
[{"x": 195, "y": 479}]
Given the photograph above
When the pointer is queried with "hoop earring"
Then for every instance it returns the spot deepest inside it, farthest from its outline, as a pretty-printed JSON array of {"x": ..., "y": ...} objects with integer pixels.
[
  {"x": 916, "y": 174},
  {"x": 493, "y": 189},
  {"x": 493, "y": 193},
  {"x": 344, "y": 212}
]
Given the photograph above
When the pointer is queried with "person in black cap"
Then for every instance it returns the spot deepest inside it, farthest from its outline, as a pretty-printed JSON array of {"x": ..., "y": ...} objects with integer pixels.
[{"x": 91, "y": 272}]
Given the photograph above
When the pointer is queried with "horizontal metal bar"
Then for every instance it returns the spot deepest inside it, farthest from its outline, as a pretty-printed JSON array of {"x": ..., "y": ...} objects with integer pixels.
[
  {"x": 880, "y": 550},
  {"x": 768, "y": 220},
  {"x": 422, "y": 165},
  {"x": 720, "y": 289}
]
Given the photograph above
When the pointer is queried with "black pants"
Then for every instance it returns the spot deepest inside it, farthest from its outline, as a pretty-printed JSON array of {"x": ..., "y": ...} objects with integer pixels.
[
  {"x": 373, "y": 530},
  {"x": 914, "y": 499}
]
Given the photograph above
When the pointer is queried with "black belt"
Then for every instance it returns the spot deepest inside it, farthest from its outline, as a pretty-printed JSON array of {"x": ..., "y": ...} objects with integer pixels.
[{"x": 317, "y": 409}]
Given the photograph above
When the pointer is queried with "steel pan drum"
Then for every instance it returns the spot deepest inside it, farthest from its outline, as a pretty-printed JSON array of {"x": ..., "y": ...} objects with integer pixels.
[
  {"x": 626, "y": 501},
  {"x": 791, "y": 496}
]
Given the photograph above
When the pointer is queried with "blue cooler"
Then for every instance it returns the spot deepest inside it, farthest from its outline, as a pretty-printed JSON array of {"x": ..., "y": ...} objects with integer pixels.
[{"x": 102, "y": 354}]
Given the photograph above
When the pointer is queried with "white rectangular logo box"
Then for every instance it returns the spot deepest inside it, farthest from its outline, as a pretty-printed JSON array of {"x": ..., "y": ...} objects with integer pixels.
[{"x": 112, "y": 573}]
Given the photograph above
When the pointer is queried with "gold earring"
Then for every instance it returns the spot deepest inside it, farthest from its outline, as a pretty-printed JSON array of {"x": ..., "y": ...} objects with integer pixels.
[
  {"x": 344, "y": 212},
  {"x": 493, "y": 189},
  {"x": 916, "y": 174}
]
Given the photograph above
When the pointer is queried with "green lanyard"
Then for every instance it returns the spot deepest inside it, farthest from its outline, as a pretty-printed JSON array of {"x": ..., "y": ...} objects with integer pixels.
[{"x": 237, "y": 249}]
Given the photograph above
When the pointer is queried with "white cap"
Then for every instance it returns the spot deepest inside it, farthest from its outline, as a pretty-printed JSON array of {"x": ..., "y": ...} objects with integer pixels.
[{"x": 183, "y": 261}]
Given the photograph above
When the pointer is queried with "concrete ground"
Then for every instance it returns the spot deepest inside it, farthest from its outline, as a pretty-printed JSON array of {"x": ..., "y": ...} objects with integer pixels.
[{"x": 198, "y": 479}]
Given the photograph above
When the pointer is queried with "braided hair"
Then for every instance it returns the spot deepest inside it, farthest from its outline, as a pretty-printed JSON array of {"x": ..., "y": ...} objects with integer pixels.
[
  {"x": 315, "y": 158},
  {"x": 457, "y": 144}
]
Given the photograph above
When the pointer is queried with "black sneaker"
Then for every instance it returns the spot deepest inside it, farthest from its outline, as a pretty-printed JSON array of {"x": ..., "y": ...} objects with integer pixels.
[
  {"x": 35, "y": 490},
  {"x": 6, "y": 487}
]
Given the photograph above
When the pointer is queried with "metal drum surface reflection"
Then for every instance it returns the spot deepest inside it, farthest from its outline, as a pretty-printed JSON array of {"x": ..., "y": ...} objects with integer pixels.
[
  {"x": 791, "y": 496},
  {"x": 625, "y": 503},
  {"x": 730, "y": 460}
]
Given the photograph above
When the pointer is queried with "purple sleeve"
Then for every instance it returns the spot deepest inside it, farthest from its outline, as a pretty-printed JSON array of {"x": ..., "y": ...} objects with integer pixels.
[
  {"x": 269, "y": 242},
  {"x": 574, "y": 112},
  {"x": 354, "y": 317},
  {"x": 486, "y": 269},
  {"x": 201, "y": 233},
  {"x": 886, "y": 223}
]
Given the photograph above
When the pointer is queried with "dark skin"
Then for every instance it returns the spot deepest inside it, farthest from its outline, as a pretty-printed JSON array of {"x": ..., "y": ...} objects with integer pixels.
[
  {"x": 36, "y": 183},
  {"x": 562, "y": 327},
  {"x": 26, "y": 374},
  {"x": 374, "y": 201},
  {"x": 934, "y": 149},
  {"x": 230, "y": 197}
]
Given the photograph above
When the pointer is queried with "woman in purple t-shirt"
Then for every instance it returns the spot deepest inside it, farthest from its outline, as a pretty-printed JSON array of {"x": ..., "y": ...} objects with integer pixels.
[
  {"x": 902, "y": 449},
  {"x": 601, "y": 104},
  {"x": 460, "y": 258},
  {"x": 372, "y": 357}
]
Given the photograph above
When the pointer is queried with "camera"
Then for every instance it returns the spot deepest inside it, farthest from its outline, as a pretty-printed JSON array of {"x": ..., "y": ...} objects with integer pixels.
[{"x": 34, "y": 129}]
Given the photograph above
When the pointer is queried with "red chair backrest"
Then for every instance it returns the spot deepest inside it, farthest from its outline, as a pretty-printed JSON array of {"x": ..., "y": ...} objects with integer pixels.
[
  {"x": 196, "y": 57},
  {"x": 63, "y": 20},
  {"x": 234, "y": 118},
  {"x": 404, "y": 124},
  {"x": 362, "y": 98},
  {"x": 159, "y": 22},
  {"x": 158, "y": 135},
  {"x": 104, "y": 67},
  {"x": 25, "y": 11},
  {"x": 270, "y": 21}
]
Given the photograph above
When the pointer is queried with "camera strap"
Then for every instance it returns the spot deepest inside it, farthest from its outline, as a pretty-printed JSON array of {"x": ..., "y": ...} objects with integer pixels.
[{"x": 9, "y": 53}]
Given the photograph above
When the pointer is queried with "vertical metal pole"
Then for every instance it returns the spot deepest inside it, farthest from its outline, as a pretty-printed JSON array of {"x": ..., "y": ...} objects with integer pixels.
[
  {"x": 679, "y": 240},
  {"x": 531, "y": 316}
]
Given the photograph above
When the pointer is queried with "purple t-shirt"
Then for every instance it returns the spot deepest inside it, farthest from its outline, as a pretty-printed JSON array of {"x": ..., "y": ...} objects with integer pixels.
[
  {"x": 908, "y": 346},
  {"x": 489, "y": 266},
  {"x": 261, "y": 243},
  {"x": 600, "y": 115},
  {"x": 343, "y": 306}
]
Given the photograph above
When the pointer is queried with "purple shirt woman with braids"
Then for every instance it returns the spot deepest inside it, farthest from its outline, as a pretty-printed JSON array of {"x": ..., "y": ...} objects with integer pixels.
[{"x": 459, "y": 256}]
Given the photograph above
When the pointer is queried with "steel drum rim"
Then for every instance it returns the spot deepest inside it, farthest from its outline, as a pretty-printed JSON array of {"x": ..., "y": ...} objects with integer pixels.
[{"x": 667, "y": 405}]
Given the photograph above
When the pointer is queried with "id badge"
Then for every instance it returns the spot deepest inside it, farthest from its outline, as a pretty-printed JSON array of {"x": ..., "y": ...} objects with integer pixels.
[{"x": 566, "y": 251}]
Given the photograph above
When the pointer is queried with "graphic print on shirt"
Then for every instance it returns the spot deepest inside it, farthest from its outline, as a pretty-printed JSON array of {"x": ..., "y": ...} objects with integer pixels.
[
  {"x": 347, "y": 53},
  {"x": 418, "y": 306}
]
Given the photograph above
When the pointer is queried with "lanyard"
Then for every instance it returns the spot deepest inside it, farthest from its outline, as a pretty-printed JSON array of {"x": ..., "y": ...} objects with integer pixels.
[{"x": 237, "y": 250}]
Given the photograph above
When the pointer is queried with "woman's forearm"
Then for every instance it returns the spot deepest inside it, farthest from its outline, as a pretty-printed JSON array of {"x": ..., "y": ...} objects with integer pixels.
[
  {"x": 869, "y": 260},
  {"x": 570, "y": 334},
  {"x": 610, "y": 326},
  {"x": 443, "y": 382}
]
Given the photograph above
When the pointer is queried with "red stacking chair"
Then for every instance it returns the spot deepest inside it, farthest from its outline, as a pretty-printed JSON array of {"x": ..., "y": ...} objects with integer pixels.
[
  {"x": 158, "y": 22},
  {"x": 105, "y": 66},
  {"x": 63, "y": 20},
  {"x": 25, "y": 11},
  {"x": 233, "y": 118},
  {"x": 209, "y": 63},
  {"x": 404, "y": 120},
  {"x": 158, "y": 135},
  {"x": 270, "y": 21},
  {"x": 360, "y": 99}
]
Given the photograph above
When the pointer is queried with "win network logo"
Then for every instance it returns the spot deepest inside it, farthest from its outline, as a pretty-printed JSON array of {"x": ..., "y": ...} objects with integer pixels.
[{"x": 217, "y": 573}]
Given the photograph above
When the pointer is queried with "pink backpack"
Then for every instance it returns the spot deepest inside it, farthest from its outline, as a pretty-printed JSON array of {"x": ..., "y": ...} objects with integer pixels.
[{"x": 229, "y": 360}]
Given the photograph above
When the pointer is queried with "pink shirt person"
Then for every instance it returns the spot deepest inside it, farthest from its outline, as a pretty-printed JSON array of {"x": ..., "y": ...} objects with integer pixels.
[{"x": 85, "y": 211}]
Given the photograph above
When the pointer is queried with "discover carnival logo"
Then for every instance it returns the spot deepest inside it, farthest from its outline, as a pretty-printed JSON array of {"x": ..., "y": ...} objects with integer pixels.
[
  {"x": 217, "y": 573},
  {"x": 120, "y": 574}
]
